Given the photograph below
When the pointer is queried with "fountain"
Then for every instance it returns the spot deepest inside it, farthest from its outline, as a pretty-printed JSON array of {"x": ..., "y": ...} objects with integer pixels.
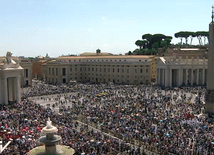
[
  {"x": 52, "y": 143},
  {"x": 50, "y": 140}
]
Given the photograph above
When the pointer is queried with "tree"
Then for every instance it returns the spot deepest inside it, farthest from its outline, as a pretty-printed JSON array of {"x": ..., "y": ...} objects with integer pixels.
[
  {"x": 186, "y": 35},
  {"x": 158, "y": 38},
  {"x": 155, "y": 45},
  {"x": 148, "y": 37},
  {"x": 130, "y": 53},
  {"x": 179, "y": 35},
  {"x": 98, "y": 51},
  {"x": 199, "y": 35},
  {"x": 192, "y": 35},
  {"x": 140, "y": 43}
]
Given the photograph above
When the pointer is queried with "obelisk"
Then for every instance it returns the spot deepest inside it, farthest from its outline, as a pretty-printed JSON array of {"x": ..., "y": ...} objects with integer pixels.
[{"x": 210, "y": 72}]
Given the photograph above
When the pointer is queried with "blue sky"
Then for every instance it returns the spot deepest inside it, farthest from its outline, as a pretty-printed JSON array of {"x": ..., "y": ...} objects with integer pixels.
[{"x": 56, "y": 27}]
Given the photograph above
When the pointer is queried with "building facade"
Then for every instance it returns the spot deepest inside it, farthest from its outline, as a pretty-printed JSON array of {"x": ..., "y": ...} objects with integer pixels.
[
  {"x": 26, "y": 75},
  {"x": 10, "y": 73},
  {"x": 118, "y": 69},
  {"x": 176, "y": 71}
]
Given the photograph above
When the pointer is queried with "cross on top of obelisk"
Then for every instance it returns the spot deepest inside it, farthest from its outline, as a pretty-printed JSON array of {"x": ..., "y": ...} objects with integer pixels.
[{"x": 212, "y": 13}]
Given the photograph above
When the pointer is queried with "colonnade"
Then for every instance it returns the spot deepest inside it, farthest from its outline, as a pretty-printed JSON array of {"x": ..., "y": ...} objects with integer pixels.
[
  {"x": 10, "y": 89},
  {"x": 174, "y": 77}
]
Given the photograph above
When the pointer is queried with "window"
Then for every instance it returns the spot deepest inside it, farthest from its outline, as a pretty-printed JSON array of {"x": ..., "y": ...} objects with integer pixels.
[
  {"x": 71, "y": 69},
  {"x": 135, "y": 70},
  {"x": 100, "y": 69},
  {"x": 122, "y": 70},
  {"x": 141, "y": 70},
  {"x": 118, "y": 70},
  {"x": 49, "y": 70},
  {"x": 80, "y": 69},
  {"x": 64, "y": 72},
  {"x": 57, "y": 71},
  {"x": 104, "y": 69},
  {"x": 75, "y": 69},
  {"x": 127, "y": 70},
  {"x": 88, "y": 69},
  {"x": 108, "y": 69},
  {"x": 26, "y": 72},
  {"x": 146, "y": 70},
  {"x": 52, "y": 71},
  {"x": 92, "y": 69},
  {"x": 113, "y": 70}
]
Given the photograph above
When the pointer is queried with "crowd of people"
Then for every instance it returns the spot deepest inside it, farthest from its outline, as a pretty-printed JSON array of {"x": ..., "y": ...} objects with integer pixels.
[{"x": 164, "y": 120}]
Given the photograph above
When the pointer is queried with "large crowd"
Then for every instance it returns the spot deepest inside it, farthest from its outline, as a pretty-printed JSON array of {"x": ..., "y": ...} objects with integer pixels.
[{"x": 144, "y": 115}]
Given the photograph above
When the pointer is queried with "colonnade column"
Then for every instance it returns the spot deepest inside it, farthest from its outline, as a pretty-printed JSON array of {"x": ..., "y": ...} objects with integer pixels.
[
  {"x": 166, "y": 77},
  {"x": 191, "y": 77},
  {"x": 203, "y": 77},
  {"x": 170, "y": 77},
  {"x": 159, "y": 76},
  {"x": 18, "y": 88},
  {"x": 5, "y": 91},
  {"x": 162, "y": 77},
  {"x": 180, "y": 76},
  {"x": 186, "y": 82},
  {"x": 197, "y": 79}
]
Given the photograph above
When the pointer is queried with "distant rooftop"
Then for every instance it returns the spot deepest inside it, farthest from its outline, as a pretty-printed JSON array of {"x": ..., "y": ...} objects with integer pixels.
[{"x": 95, "y": 54}]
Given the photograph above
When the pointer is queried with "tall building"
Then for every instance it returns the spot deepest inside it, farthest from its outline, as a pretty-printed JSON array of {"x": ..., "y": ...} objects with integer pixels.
[{"x": 210, "y": 82}]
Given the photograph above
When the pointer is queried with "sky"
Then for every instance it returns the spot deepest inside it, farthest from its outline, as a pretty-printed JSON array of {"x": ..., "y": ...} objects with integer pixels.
[{"x": 33, "y": 28}]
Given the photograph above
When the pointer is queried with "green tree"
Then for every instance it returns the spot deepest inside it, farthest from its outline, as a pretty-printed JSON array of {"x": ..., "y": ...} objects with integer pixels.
[
  {"x": 155, "y": 45},
  {"x": 192, "y": 35},
  {"x": 140, "y": 43},
  {"x": 148, "y": 37},
  {"x": 179, "y": 35}
]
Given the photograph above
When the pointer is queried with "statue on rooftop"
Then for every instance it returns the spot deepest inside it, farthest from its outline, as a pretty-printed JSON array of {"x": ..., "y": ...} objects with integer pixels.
[{"x": 8, "y": 59}]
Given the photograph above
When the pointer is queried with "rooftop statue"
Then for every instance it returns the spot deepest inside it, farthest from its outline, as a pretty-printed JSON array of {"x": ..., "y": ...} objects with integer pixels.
[{"x": 8, "y": 59}]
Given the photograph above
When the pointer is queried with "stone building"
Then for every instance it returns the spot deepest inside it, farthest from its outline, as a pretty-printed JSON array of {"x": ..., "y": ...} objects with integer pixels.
[
  {"x": 182, "y": 67},
  {"x": 10, "y": 79},
  {"x": 37, "y": 69},
  {"x": 26, "y": 75},
  {"x": 97, "y": 68}
]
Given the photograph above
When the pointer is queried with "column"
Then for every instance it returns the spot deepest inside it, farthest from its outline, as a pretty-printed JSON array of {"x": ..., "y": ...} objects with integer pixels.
[
  {"x": 191, "y": 77},
  {"x": 10, "y": 89},
  {"x": 180, "y": 76},
  {"x": 186, "y": 77},
  {"x": 170, "y": 77},
  {"x": 18, "y": 89},
  {"x": 203, "y": 77},
  {"x": 166, "y": 77},
  {"x": 5, "y": 91},
  {"x": 158, "y": 76},
  {"x": 197, "y": 79}
]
